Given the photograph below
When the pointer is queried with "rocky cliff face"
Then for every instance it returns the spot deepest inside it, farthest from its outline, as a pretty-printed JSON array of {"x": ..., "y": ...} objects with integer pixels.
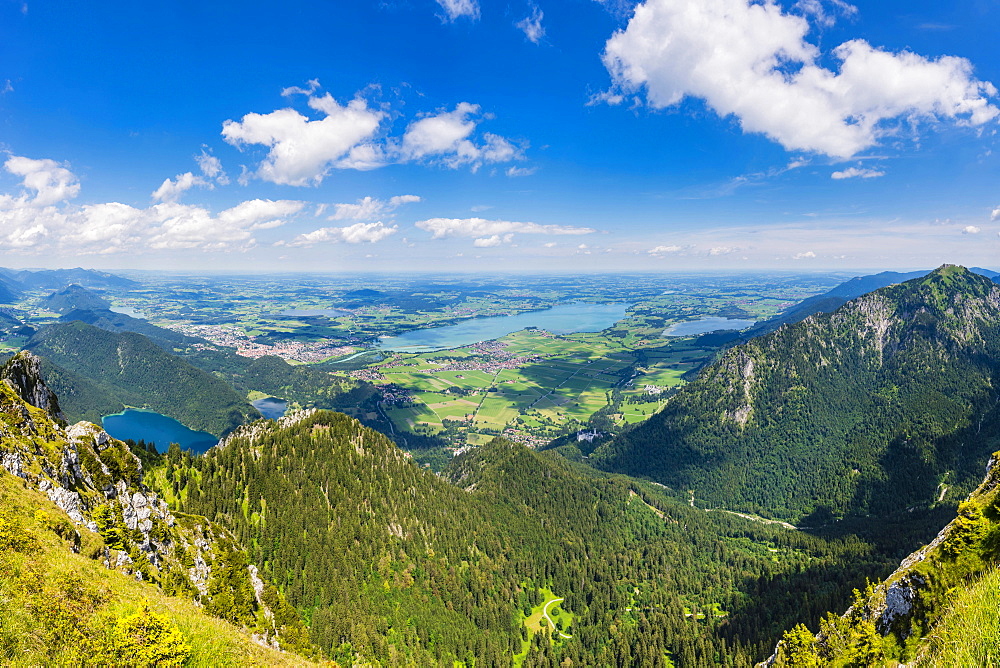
[
  {"x": 22, "y": 374},
  {"x": 98, "y": 482}
]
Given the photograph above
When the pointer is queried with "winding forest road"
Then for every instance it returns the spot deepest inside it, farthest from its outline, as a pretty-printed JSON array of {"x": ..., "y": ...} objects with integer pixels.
[{"x": 545, "y": 614}]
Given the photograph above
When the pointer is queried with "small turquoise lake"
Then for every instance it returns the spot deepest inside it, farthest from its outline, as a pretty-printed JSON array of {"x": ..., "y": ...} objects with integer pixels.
[
  {"x": 157, "y": 428},
  {"x": 561, "y": 319}
]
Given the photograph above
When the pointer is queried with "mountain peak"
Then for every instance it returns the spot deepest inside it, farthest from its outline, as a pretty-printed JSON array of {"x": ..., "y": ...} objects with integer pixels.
[{"x": 23, "y": 374}]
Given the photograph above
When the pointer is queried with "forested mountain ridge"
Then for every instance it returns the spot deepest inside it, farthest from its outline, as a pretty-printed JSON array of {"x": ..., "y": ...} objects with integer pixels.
[
  {"x": 390, "y": 563},
  {"x": 73, "y": 508},
  {"x": 833, "y": 299},
  {"x": 886, "y": 403},
  {"x": 937, "y": 609},
  {"x": 108, "y": 320},
  {"x": 108, "y": 371}
]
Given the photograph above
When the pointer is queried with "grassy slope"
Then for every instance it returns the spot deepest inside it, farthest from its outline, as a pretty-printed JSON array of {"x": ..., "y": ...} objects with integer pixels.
[
  {"x": 967, "y": 632},
  {"x": 58, "y": 607}
]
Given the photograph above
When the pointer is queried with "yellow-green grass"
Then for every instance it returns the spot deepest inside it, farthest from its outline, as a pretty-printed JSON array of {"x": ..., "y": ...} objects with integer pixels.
[
  {"x": 496, "y": 410},
  {"x": 407, "y": 417},
  {"x": 661, "y": 377},
  {"x": 536, "y": 621},
  {"x": 633, "y": 413},
  {"x": 474, "y": 438},
  {"x": 968, "y": 633},
  {"x": 59, "y": 608}
]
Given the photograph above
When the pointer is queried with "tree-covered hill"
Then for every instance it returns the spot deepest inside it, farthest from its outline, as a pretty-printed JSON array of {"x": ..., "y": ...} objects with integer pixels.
[
  {"x": 108, "y": 320},
  {"x": 75, "y": 297},
  {"x": 392, "y": 563},
  {"x": 833, "y": 299},
  {"x": 887, "y": 403},
  {"x": 98, "y": 372}
]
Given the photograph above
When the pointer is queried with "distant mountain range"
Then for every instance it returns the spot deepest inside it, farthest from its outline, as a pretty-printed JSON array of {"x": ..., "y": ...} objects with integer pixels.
[{"x": 56, "y": 279}]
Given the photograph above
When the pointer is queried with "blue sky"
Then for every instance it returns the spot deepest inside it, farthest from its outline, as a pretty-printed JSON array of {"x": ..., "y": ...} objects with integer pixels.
[{"x": 465, "y": 135}]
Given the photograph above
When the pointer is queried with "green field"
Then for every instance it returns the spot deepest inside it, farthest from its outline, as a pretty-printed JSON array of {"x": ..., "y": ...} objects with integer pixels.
[
  {"x": 531, "y": 385},
  {"x": 536, "y": 621}
]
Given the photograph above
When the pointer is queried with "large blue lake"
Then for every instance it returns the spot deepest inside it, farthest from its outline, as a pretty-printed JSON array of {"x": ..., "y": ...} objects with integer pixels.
[
  {"x": 562, "y": 319},
  {"x": 705, "y": 325},
  {"x": 154, "y": 427}
]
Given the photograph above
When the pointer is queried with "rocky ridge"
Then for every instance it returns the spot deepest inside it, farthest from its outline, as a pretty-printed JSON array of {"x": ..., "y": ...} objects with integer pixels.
[{"x": 98, "y": 482}]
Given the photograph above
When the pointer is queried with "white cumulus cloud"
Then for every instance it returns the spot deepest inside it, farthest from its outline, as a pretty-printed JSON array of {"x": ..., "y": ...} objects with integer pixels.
[
  {"x": 172, "y": 189},
  {"x": 531, "y": 26},
  {"x": 447, "y": 137},
  {"x": 971, "y": 229},
  {"x": 211, "y": 168},
  {"x": 660, "y": 250},
  {"x": 495, "y": 240},
  {"x": 751, "y": 60},
  {"x": 49, "y": 223},
  {"x": 351, "y": 234},
  {"x": 723, "y": 250},
  {"x": 803, "y": 256},
  {"x": 50, "y": 181},
  {"x": 455, "y": 9},
  {"x": 817, "y": 10},
  {"x": 303, "y": 151},
  {"x": 369, "y": 208},
  {"x": 180, "y": 226}
]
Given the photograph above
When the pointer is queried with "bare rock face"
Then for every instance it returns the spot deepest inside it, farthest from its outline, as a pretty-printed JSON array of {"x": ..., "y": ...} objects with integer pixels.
[{"x": 23, "y": 374}]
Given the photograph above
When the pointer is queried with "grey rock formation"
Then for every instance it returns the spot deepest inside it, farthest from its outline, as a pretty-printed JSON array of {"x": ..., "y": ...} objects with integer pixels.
[{"x": 24, "y": 375}]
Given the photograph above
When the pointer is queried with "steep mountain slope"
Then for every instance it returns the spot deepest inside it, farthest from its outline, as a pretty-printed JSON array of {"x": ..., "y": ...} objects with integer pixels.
[
  {"x": 937, "y": 609},
  {"x": 830, "y": 301},
  {"x": 110, "y": 321},
  {"x": 889, "y": 402},
  {"x": 10, "y": 325},
  {"x": 73, "y": 509},
  {"x": 10, "y": 291},
  {"x": 74, "y": 297},
  {"x": 128, "y": 369},
  {"x": 394, "y": 564}
]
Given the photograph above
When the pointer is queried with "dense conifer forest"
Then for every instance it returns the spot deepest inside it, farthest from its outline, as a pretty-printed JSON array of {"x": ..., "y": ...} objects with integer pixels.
[{"x": 390, "y": 562}]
